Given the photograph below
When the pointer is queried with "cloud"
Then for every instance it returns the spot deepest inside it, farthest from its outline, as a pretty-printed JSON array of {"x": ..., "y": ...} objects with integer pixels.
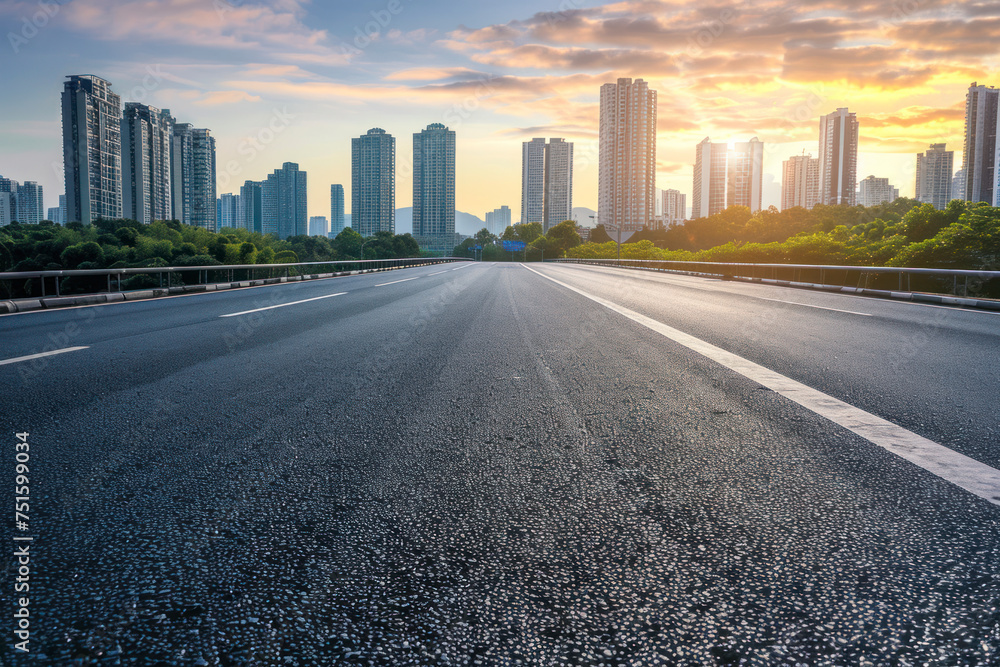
[{"x": 274, "y": 25}]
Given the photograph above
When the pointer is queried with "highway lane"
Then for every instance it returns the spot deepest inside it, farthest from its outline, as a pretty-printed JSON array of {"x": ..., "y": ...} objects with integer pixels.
[
  {"x": 481, "y": 465},
  {"x": 929, "y": 369}
]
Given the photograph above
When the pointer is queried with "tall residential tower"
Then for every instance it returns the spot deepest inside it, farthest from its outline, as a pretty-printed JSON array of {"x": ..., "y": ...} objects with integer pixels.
[
  {"x": 627, "y": 155},
  {"x": 434, "y": 185},
  {"x": 935, "y": 171},
  {"x": 838, "y": 158},
  {"x": 92, "y": 149},
  {"x": 373, "y": 183}
]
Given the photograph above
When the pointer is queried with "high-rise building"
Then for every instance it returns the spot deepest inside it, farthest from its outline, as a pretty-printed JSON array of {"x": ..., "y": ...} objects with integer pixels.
[
  {"x": 979, "y": 151},
  {"x": 546, "y": 182},
  {"x": 318, "y": 226},
  {"x": 252, "y": 206},
  {"x": 434, "y": 184},
  {"x": 934, "y": 176},
  {"x": 800, "y": 182},
  {"x": 746, "y": 175},
  {"x": 29, "y": 203},
  {"x": 147, "y": 135},
  {"x": 8, "y": 201},
  {"x": 533, "y": 181},
  {"x": 6, "y": 208},
  {"x": 627, "y": 155},
  {"x": 285, "y": 202},
  {"x": 838, "y": 158},
  {"x": 337, "y": 218},
  {"x": 673, "y": 207},
  {"x": 558, "y": 183},
  {"x": 92, "y": 149},
  {"x": 373, "y": 183},
  {"x": 193, "y": 172},
  {"x": 958, "y": 185},
  {"x": 873, "y": 191},
  {"x": 498, "y": 220},
  {"x": 710, "y": 183},
  {"x": 229, "y": 211},
  {"x": 52, "y": 214}
]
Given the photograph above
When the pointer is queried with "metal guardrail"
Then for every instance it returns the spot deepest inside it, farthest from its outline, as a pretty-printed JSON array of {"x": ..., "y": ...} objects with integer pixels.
[
  {"x": 864, "y": 277},
  {"x": 227, "y": 269}
]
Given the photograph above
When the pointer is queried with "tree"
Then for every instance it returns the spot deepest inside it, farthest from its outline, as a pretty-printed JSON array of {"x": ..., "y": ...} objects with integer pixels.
[
  {"x": 599, "y": 235},
  {"x": 348, "y": 243},
  {"x": 75, "y": 255},
  {"x": 561, "y": 238}
]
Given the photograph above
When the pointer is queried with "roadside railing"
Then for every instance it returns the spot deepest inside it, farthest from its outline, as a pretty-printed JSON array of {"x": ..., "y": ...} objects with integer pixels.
[
  {"x": 90, "y": 280},
  {"x": 959, "y": 283}
]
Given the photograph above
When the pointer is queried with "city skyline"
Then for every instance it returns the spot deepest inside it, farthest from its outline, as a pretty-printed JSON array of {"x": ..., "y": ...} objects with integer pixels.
[{"x": 506, "y": 74}]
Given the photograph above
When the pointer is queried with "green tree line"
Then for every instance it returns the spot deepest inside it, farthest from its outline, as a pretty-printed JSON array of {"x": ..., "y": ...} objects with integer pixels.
[
  {"x": 131, "y": 244},
  {"x": 902, "y": 233},
  {"x": 552, "y": 245}
]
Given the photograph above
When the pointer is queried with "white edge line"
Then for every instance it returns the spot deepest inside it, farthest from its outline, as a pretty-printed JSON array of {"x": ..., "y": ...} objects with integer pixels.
[
  {"x": 282, "y": 305},
  {"x": 40, "y": 355},
  {"x": 965, "y": 472},
  {"x": 809, "y": 305},
  {"x": 404, "y": 280}
]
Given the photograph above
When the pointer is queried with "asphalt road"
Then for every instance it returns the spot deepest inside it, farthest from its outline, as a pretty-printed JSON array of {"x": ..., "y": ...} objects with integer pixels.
[{"x": 473, "y": 464}]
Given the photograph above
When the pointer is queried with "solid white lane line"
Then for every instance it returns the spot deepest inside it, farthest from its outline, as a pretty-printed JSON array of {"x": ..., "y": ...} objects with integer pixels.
[
  {"x": 404, "y": 280},
  {"x": 809, "y": 305},
  {"x": 282, "y": 305},
  {"x": 16, "y": 360},
  {"x": 975, "y": 477}
]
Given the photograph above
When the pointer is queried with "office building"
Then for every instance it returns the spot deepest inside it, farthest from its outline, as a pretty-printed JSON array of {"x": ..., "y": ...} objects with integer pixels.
[
  {"x": 935, "y": 170},
  {"x": 746, "y": 175},
  {"x": 52, "y": 214},
  {"x": 838, "y": 158},
  {"x": 193, "y": 173},
  {"x": 337, "y": 217},
  {"x": 710, "y": 183},
  {"x": 979, "y": 156},
  {"x": 285, "y": 202},
  {"x": 252, "y": 206},
  {"x": 800, "y": 182},
  {"x": 673, "y": 207},
  {"x": 434, "y": 185},
  {"x": 627, "y": 155},
  {"x": 373, "y": 183},
  {"x": 498, "y": 220},
  {"x": 147, "y": 135},
  {"x": 92, "y": 157},
  {"x": 875, "y": 191}
]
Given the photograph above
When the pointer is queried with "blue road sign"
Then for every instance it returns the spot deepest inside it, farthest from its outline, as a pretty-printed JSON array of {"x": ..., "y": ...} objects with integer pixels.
[{"x": 514, "y": 246}]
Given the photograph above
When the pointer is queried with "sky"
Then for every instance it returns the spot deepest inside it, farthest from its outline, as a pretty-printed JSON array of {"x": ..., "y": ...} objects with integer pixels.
[{"x": 293, "y": 81}]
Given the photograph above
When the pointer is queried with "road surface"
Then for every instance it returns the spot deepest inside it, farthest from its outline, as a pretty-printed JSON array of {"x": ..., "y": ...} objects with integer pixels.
[{"x": 505, "y": 464}]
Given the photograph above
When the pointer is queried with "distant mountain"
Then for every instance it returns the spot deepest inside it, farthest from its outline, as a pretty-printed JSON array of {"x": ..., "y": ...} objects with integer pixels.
[
  {"x": 582, "y": 217},
  {"x": 465, "y": 223}
]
